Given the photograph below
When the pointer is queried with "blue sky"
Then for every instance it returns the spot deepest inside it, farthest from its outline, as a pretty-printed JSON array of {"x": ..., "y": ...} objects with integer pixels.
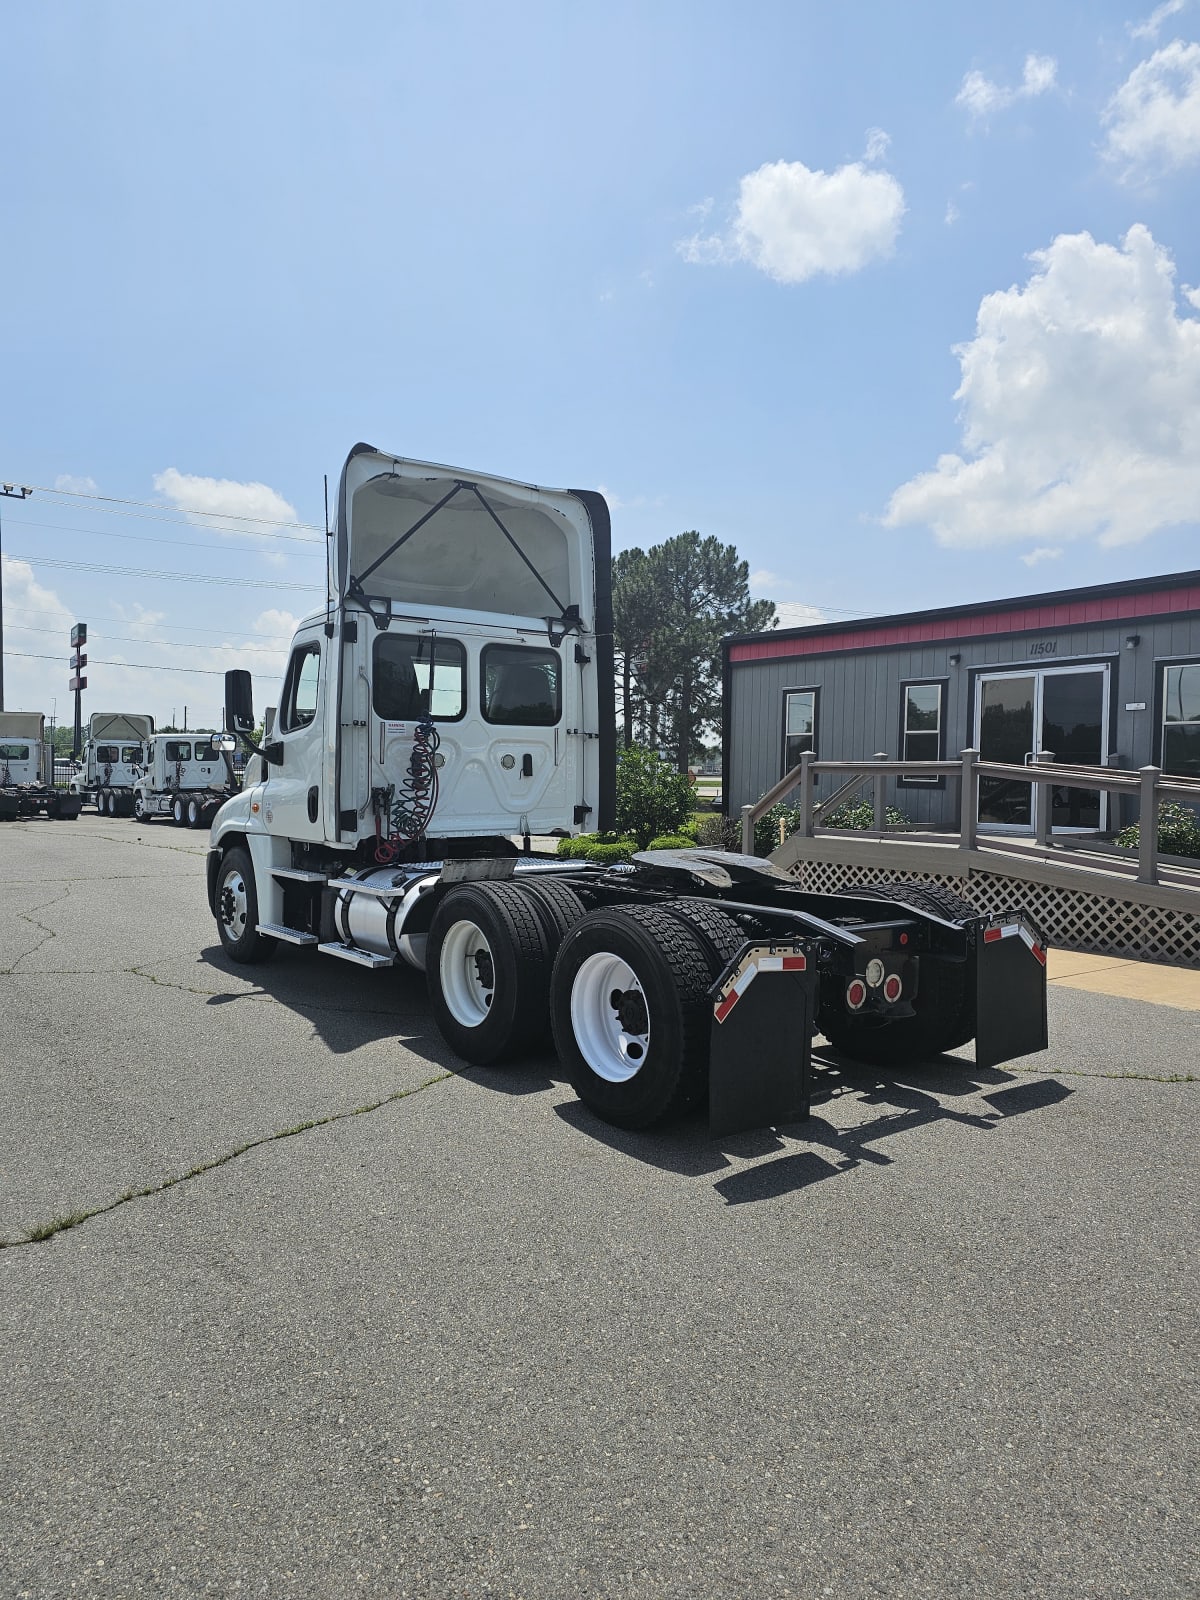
[{"x": 894, "y": 298}]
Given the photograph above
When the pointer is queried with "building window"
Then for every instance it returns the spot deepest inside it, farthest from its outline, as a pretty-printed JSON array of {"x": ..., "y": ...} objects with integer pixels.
[
  {"x": 300, "y": 691},
  {"x": 415, "y": 674},
  {"x": 1181, "y": 720},
  {"x": 799, "y": 725},
  {"x": 921, "y": 730}
]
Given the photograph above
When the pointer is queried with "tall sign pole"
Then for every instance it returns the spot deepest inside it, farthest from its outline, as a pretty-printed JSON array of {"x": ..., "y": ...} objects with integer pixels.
[
  {"x": 8, "y": 491},
  {"x": 78, "y": 682}
]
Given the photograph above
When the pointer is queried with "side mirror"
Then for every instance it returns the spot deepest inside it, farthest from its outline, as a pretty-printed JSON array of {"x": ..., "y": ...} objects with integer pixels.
[
  {"x": 223, "y": 742},
  {"x": 239, "y": 702}
]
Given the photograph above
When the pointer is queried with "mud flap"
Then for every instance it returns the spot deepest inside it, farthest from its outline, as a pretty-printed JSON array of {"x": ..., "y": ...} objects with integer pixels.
[
  {"x": 1010, "y": 991},
  {"x": 760, "y": 1051}
]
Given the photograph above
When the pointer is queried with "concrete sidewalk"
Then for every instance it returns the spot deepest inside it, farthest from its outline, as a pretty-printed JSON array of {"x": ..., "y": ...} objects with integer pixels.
[{"x": 1130, "y": 980}]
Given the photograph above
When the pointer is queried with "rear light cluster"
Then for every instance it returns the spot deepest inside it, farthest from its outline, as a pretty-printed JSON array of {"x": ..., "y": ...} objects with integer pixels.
[{"x": 889, "y": 983}]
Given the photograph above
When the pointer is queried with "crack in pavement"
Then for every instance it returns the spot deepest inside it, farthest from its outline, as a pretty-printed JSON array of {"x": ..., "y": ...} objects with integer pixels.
[
  {"x": 50, "y": 933},
  {"x": 72, "y": 1219},
  {"x": 298, "y": 1002}
]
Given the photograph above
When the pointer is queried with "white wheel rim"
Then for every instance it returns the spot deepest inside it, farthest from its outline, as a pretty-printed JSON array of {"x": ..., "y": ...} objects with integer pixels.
[
  {"x": 235, "y": 904},
  {"x": 613, "y": 1038},
  {"x": 193, "y": 812},
  {"x": 468, "y": 974}
]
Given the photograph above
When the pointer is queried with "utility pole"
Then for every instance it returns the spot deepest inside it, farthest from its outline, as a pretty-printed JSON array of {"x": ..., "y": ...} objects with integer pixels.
[{"x": 8, "y": 491}]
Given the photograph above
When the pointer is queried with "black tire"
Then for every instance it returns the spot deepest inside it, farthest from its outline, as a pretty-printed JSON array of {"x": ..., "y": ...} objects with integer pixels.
[
  {"x": 558, "y": 907},
  {"x": 716, "y": 927},
  {"x": 110, "y": 804},
  {"x": 139, "y": 812},
  {"x": 177, "y": 811},
  {"x": 673, "y": 968},
  {"x": 195, "y": 814},
  {"x": 237, "y": 910},
  {"x": 931, "y": 897},
  {"x": 487, "y": 967}
]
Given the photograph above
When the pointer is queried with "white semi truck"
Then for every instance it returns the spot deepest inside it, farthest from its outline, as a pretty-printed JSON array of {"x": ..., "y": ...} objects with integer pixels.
[
  {"x": 27, "y": 770},
  {"x": 453, "y": 700},
  {"x": 115, "y": 756},
  {"x": 186, "y": 778}
]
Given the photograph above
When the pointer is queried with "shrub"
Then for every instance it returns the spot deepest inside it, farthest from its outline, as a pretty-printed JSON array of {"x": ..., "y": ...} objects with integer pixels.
[
  {"x": 861, "y": 814},
  {"x": 766, "y": 829},
  {"x": 1178, "y": 831},
  {"x": 652, "y": 798},
  {"x": 854, "y": 814},
  {"x": 716, "y": 832},
  {"x": 603, "y": 847},
  {"x": 673, "y": 841}
]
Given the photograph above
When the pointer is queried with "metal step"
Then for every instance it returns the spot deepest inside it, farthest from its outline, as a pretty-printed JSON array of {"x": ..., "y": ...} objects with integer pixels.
[
  {"x": 276, "y": 930},
  {"x": 381, "y": 891},
  {"x": 299, "y": 875},
  {"x": 363, "y": 958}
]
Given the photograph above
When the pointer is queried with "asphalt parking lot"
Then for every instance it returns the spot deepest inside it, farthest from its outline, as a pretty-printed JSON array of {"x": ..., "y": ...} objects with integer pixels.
[{"x": 342, "y": 1318}]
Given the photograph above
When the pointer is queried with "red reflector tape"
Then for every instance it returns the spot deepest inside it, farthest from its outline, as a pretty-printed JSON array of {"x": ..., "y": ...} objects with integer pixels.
[
  {"x": 795, "y": 963},
  {"x": 727, "y": 1005},
  {"x": 990, "y": 935}
]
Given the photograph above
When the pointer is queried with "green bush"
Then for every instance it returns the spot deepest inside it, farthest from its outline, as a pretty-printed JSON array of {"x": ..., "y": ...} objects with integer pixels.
[
  {"x": 673, "y": 841},
  {"x": 1178, "y": 831},
  {"x": 716, "y": 832},
  {"x": 603, "y": 847},
  {"x": 858, "y": 814},
  {"x": 652, "y": 798}
]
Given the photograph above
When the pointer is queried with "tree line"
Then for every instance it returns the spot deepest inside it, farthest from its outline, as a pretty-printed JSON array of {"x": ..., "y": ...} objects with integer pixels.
[{"x": 672, "y": 606}]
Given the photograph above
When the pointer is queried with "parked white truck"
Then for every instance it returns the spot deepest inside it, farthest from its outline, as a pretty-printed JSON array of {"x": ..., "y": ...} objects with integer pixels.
[
  {"x": 115, "y": 756},
  {"x": 27, "y": 770},
  {"x": 456, "y": 694},
  {"x": 186, "y": 777}
]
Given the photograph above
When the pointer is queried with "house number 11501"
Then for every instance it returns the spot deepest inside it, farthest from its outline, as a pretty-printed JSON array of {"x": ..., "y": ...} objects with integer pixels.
[{"x": 1044, "y": 647}]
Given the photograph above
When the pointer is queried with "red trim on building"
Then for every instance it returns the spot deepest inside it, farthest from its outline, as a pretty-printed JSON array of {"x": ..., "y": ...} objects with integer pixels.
[{"x": 1020, "y": 619}]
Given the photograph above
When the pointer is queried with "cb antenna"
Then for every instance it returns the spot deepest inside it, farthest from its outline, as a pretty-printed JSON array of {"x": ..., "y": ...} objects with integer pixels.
[{"x": 328, "y": 574}]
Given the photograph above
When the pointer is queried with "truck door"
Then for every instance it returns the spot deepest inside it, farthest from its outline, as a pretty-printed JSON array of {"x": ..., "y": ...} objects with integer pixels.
[{"x": 293, "y": 800}]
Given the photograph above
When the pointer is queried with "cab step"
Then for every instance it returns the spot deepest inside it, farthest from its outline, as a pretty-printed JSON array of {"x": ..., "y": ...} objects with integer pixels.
[
  {"x": 276, "y": 930},
  {"x": 363, "y": 958},
  {"x": 299, "y": 875}
]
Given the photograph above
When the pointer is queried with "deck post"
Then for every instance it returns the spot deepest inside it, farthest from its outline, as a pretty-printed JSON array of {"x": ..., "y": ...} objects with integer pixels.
[
  {"x": 880, "y": 791},
  {"x": 1148, "y": 825},
  {"x": 1044, "y": 801},
  {"x": 747, "y": 831},
  {"x": 968, "y": 820},
  {"x": 805, "y": 830}
]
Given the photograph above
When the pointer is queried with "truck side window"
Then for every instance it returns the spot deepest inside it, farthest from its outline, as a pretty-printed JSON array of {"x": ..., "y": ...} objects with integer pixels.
[
  {"x": 413, "y": 675},
  {"x": 131, "y": 752},
  {"x": 522, "y": 687},
  {"x": 300, "y": 691},
  {"x": 179, "y": 750},
  {"x": 106, "y": 752},
  {"x": 14, "y": 752}
]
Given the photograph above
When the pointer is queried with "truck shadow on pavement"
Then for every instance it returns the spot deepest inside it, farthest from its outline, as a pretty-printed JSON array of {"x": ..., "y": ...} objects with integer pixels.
[{"x": 904, "y": 1101}]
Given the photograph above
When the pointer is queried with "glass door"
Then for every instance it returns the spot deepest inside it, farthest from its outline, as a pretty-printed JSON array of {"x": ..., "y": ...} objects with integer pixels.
[{"x": 1055, "y": 711}]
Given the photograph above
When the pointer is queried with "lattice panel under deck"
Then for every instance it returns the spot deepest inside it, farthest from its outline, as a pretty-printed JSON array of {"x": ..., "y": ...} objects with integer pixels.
[{"x": 1069, "y": 918}]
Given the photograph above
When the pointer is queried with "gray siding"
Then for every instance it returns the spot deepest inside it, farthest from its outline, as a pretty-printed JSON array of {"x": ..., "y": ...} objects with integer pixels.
[{"x": 859, "y": 703}]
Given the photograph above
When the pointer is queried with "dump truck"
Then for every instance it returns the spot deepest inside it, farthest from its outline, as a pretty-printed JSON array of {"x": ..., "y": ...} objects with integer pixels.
[
  {"x": 115, "y": 755},
  {"x": 27, "y": 771},
  {"x": 453, "y": 702},
  {"x": 186, "y": 778}
]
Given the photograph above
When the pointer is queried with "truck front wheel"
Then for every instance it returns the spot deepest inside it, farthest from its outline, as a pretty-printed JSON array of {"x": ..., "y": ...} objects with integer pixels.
[
  {"x": 629, "y": 1006},
  {"x": 237, "y": 910},
  {"x": 488, "y": 971}
]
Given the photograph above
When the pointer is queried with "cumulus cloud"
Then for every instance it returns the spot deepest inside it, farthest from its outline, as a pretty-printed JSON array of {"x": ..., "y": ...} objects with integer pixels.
[
  {"x": 66, "y": 483},
  {"x": 224, "y": 504},
  {"x": 1080, "y": 406},
  {"x": 1153, "y": 120},
  {"x": 1149, "y": 28},
  {"x": 981, "y": 98},
  {"x": 1044, "y": 552},
  {"x": 794, "y": 223}
]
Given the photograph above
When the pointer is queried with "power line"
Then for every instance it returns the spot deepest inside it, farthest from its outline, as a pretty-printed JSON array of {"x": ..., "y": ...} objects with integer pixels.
[
  {"x": 148, "y": 538},
  {"x": 170, "y": 644},
  {"x": 172, "y": 577},
  {"x": 152, "y": 505},
  {"x": 140, "y": 666}
]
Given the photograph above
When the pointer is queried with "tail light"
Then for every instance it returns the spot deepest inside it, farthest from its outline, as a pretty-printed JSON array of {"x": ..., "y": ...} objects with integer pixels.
[
  {"x": 856, "y": 994},
  {"x": 891, "y": 988}
]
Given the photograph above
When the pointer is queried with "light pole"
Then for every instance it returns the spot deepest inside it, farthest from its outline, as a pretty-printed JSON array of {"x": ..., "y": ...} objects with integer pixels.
[{"x": 8, "y": 491}]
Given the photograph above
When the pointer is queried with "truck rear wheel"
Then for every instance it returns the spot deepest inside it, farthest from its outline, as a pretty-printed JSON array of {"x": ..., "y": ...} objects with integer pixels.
[
  {"x": 629, "y": 1008},
  {"x": 488, "y": 970},
  {"x": 195, "y": 815},
  {"x": 177, "y": 811},
  {"x": 237, "y": 910}
]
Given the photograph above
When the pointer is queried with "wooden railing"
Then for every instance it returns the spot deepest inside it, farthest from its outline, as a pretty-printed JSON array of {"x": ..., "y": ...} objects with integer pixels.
[{"x": 1148, "y": 784}]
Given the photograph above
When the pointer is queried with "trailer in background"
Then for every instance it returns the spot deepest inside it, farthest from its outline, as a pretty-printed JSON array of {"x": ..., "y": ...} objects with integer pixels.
[{"x": 26, "y": 769}]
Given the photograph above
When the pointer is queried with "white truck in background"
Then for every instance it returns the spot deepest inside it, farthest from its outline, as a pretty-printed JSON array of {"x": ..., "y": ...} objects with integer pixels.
[
  {"x": 186, "y": 778},
  {"x": 115, "y": 755},
  {"x": 456, "y": 695},
  {"x": 27, "y": 770}
]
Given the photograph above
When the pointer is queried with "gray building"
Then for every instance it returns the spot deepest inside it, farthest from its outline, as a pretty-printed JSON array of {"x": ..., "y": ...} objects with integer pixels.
[{"x": 1102, "y": 675}]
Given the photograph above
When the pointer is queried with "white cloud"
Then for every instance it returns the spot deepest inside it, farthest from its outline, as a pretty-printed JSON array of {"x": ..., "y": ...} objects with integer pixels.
[
  {"x": 1149, "y": 28},
  {"x": 1044, "y": 552},
  {"x": 224, "y": 505},
  {"x": 980, "y": 97},
  {"x": 1153, "y": 120},
  {"x": 877, "y": 145},
  {"x": 952, "y": 214},
  {"x": 67, "y": 484},
  {"x": 793, "y": 222},
  {"x": 1080, "y": 406}
]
